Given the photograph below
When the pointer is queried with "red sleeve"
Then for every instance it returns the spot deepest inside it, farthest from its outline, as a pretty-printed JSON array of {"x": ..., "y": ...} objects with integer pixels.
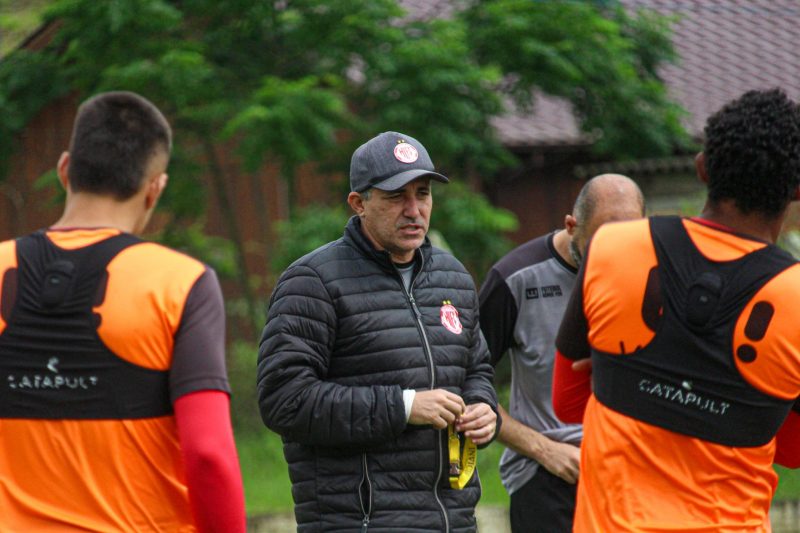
[
  {"x": 787, "y": 449},
  {"x": 571, "y": 390},
  {"x": 212, "y": 465}
]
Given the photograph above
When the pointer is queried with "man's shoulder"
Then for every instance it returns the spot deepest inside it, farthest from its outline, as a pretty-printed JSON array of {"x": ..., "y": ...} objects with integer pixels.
[
  {"x": 628, "y": 234},
  {"x": 151, "y": 268},
  {"x": 328, "y": 262},
  {"x": 532, "y": 252},
  {"x": 8, "y": 246},
  {"x": 632, "y": 236},
  {"x": 168, "y": 260},
  {"x": 444, "y": 260},
  {"x": 446, "y": 271},
  {"x": 785, "y": 285},
  {"x": 128, "y": 255},
  {"x": 8, "y": 255},
  {"x": 630, "y": 230},
  {"x": 333, "y": 250}
]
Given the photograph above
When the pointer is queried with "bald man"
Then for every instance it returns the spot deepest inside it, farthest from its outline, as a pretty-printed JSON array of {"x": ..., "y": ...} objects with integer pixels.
[{"x": 521, "y": 304}]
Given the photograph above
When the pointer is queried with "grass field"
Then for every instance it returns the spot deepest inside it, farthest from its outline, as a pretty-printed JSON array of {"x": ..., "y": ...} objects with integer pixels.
[
  {"x": 788, "y": 484},
  {"x": 267, "y": 487},
  {"x": 266, "y": 476},
  {"x": 264, "y": 472}
]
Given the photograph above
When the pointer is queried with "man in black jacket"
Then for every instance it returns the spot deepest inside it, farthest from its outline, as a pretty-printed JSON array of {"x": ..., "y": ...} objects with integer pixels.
[{"x": 372, "y": 348}]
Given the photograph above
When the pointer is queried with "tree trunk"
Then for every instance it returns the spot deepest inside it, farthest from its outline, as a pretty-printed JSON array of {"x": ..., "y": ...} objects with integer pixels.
[
  {"x": 231, "y": 223},
  {"x": 288, "y": 179}
]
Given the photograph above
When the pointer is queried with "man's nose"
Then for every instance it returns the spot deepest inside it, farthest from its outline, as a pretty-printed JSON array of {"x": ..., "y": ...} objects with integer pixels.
[{"x": 411, "y": 207}]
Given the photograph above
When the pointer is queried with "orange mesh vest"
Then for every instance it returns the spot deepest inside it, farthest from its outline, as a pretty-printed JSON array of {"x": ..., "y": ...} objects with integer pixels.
[
  {"x": 685, "y": 380},
  {"x": 53, "y": 365}
]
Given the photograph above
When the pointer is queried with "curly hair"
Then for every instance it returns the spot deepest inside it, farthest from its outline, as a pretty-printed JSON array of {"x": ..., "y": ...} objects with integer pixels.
[{"x": 752, "y": 152}]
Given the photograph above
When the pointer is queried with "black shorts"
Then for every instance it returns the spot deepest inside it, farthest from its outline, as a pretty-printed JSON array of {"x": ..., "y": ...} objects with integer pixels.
[{"x": 544, "y": 504}]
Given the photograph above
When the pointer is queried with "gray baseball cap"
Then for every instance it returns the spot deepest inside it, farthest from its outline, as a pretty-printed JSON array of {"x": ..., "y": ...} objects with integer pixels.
[{"x": 389, "y": 161}]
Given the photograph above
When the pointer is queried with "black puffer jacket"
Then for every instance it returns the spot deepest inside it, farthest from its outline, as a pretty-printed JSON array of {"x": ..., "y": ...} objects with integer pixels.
[{"x": 342, "y": 340}]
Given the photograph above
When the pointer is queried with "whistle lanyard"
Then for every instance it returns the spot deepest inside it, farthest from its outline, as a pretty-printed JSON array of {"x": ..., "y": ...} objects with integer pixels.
[{"x": 462, "y": 461}]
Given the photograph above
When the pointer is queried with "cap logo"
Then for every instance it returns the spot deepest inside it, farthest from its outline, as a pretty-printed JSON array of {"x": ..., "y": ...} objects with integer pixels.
[{"x": 405, "y": 153}]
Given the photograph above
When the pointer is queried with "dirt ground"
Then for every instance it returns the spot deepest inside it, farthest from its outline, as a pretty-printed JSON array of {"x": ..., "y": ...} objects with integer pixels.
[{"x": 492, "y": 519}]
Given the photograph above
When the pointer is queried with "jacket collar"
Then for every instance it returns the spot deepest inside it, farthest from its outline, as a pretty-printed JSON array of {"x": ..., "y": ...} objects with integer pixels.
[{"x": 354, "y": 234}]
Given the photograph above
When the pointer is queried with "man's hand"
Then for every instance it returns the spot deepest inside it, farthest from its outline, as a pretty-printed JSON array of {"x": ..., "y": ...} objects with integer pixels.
[
  {"x": 436, "y": 407},
  {"x": 560, "y": 459},
  {"x": 478, "y": 423},
  {"x": 582, "y": 365}
]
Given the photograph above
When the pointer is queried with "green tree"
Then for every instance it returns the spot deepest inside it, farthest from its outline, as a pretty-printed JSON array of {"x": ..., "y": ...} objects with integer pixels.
[
  {"x": 599, "y": 57},
  {"x": 471, "y": 227},
  {"x": 308, "y": 229},
  {"x": 307, "y": 80}
]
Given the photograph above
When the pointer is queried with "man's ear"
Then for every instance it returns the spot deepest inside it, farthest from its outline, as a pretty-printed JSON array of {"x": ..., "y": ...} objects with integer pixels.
[
  {"x": 700, "y": 167},
  {"x": 570, "y": 223},
  {"x": 155, "y": 187},
  {"x": 356, "y": 202},
  {"x": 62, "y": 170}
]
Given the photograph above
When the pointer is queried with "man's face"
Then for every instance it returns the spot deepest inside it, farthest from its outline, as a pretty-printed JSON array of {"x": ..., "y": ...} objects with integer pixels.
[
  {"x": 580, "y": 239},
  {"x": 397, "y": 221}
]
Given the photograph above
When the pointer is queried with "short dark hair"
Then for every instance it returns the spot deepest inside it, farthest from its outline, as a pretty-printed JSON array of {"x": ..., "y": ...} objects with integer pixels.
[
  {"x": 752, "y": 152},
  {"x": 115, "y": 137}
]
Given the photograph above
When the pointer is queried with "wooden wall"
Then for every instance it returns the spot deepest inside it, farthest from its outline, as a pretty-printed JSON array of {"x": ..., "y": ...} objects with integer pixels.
[
  {"x": 541, "y": 191},
  {"x": 23, "y": 207}
]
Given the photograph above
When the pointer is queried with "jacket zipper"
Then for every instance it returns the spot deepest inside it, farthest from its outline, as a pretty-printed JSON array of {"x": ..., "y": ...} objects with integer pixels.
[
  {"x": 368, "y": 510},
  {"x": 429, "y": 355}
]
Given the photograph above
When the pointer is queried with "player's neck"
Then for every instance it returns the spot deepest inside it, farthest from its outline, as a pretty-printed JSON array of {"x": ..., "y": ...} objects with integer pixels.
[
  {"x": 561, "y": 244},
  {"x": 755, "y": 225},
  {"x": 95, "y": 211}
]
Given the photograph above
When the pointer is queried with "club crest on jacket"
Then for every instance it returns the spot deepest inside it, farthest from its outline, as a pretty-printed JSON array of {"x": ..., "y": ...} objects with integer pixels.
[{"x": 449, "y": 317}]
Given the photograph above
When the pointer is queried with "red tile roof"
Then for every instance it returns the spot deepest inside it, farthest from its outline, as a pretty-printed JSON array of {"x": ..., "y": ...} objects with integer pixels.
[
  {"x": 551, "y": 122},
  {"x": 726, "y": 47}
]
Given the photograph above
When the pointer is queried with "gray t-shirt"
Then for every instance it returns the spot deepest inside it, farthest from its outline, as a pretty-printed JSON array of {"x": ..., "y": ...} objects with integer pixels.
[
  {"x": 522, "y": 302},
  {"x": 407, "y": 273}
]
